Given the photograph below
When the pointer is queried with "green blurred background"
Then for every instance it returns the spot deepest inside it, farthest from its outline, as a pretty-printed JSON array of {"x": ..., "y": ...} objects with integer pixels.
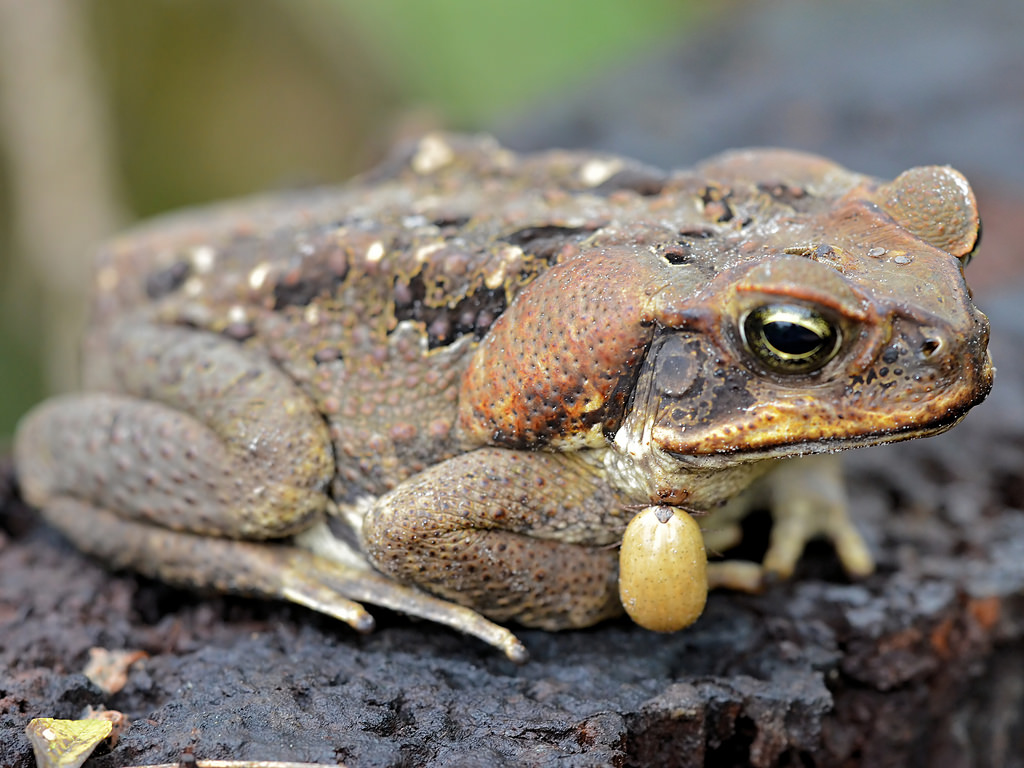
[{"x": 114, "y": 110}]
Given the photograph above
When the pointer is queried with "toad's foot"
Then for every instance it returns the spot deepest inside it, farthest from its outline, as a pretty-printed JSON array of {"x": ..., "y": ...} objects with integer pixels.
[{"x": 807, "y": 500}]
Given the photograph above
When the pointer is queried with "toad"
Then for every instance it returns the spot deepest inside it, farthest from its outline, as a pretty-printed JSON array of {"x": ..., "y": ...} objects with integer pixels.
[{"x": 453, "y": 386}]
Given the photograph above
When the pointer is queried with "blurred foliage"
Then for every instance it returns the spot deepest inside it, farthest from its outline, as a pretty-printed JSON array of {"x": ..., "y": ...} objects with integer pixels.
[
  {"x": 217, "y": 99},
  {"x": 210, "y": 99},
  {"x": 477, "y": 59}
]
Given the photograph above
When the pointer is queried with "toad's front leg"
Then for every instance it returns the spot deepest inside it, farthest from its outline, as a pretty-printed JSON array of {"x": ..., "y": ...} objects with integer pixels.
[
  {"x": 526, "y": 536},
  {"x": 807, "y": 497},
  {"x": 807, "y": 500}
]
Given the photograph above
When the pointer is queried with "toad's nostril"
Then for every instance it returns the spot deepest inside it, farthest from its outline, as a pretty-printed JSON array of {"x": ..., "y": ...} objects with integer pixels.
[{"x": 930, "y": 347}]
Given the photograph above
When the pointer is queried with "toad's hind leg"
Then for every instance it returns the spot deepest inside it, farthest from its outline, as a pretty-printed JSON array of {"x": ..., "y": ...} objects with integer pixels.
[
  {"x": 203, "y": 436},
  {"x": 529, "y": 536}
]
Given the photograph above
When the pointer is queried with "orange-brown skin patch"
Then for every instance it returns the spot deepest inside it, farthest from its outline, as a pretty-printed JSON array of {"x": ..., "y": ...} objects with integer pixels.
[{"x": 564, "y": 356}]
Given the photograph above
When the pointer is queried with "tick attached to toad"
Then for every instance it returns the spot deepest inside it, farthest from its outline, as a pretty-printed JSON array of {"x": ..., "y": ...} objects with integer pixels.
[{"x": 449, "y": 387}]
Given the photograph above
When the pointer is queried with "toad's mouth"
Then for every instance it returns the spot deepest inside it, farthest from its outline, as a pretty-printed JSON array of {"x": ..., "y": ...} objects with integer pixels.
[
  {"x": 807, "y": 447},
  {"x": 809, "y": 426}
]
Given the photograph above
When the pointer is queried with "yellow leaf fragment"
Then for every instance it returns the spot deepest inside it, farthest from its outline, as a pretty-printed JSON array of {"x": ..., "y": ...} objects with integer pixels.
[{"x": 65, "y": 743}]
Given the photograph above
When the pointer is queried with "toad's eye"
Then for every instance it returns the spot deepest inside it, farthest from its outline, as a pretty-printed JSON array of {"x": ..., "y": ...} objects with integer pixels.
[{"x": 789, "y": 338}]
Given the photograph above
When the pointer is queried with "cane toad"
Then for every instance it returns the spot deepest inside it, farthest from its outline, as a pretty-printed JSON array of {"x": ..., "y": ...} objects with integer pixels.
[{"x": 447, "y": 387}]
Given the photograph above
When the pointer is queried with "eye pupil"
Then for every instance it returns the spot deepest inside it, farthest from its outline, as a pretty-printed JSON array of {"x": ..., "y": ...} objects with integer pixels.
[{"x": 790, "y": 338}]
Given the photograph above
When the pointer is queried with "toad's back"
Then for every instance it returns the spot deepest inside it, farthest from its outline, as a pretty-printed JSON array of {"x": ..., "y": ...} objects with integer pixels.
[{"x": 373, "y": 296}]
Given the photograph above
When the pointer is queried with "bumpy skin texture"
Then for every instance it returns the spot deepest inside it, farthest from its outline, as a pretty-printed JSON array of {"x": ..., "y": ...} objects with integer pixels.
[{"x": 480, "y": 365}]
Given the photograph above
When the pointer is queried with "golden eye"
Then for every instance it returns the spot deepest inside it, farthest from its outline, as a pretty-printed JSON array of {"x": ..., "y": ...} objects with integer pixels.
[{"x": 790, "y": 338}]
